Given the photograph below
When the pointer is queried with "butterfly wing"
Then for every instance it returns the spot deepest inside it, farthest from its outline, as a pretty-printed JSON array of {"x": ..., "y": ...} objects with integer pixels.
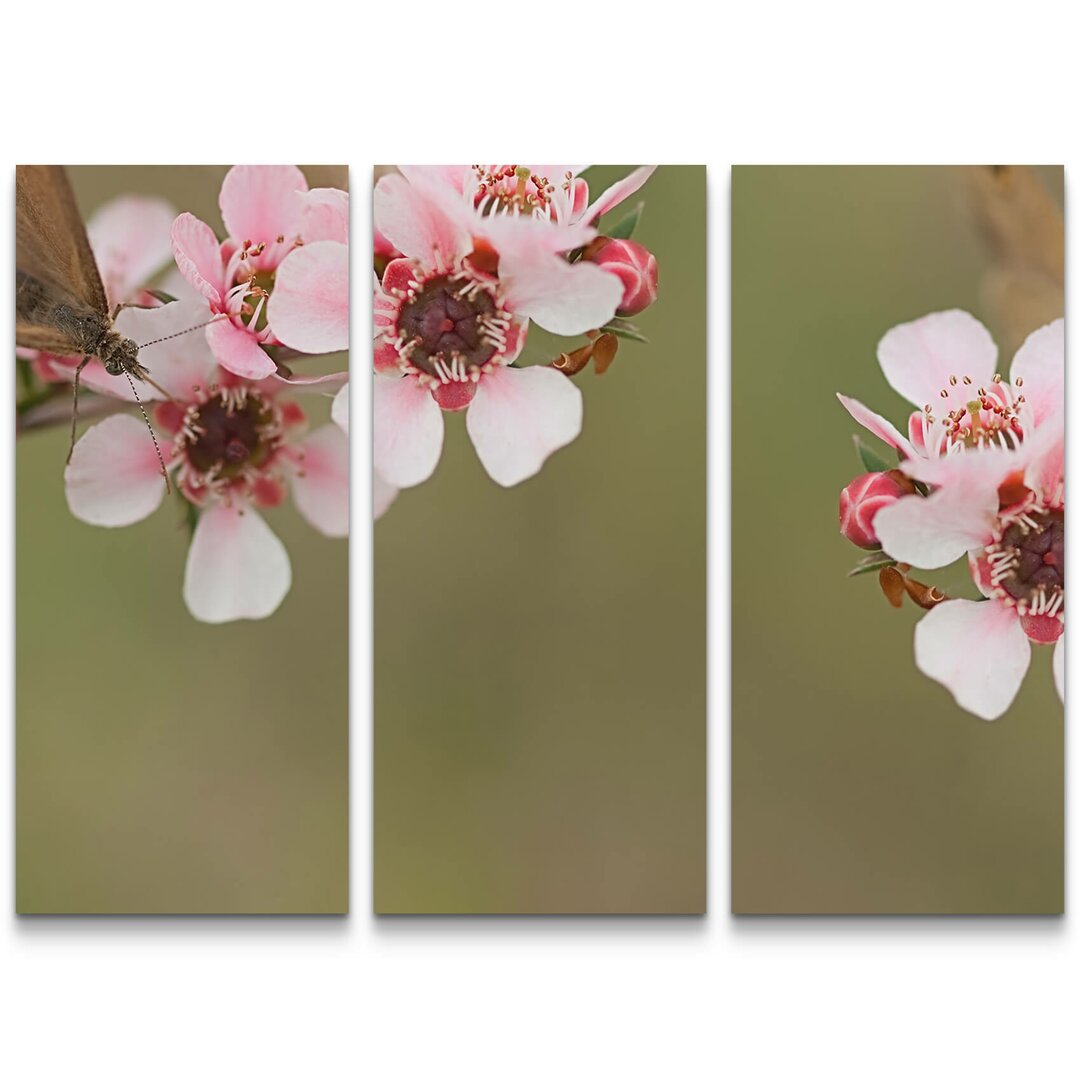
[
  {"x": 43, "y": 338},
  {"x": 51, "y": 247}
]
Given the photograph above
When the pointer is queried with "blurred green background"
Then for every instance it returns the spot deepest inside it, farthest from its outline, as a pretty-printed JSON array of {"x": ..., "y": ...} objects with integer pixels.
[
  {"x": 540, "y": 651},
  {"x": 857, "y": 784},
  {"x": 164, "y": 765}
]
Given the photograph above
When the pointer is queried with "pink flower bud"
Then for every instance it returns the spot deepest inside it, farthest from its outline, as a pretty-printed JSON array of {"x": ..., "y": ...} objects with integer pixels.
[
  {"x": 637, "y": 270},
  {"x": 864, "y": 497}
]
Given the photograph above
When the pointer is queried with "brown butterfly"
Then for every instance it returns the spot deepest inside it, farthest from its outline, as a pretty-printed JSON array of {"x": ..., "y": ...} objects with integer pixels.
[{"x": 60, "y": 303}]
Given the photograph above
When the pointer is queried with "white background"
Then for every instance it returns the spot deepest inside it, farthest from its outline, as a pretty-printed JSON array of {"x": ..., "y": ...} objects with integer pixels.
[{"x": 196, "y": 82}]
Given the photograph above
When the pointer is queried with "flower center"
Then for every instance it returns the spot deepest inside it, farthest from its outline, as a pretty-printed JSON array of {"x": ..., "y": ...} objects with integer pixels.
[
  {"x": 511, "y": 188},
  {"x": 1027, "y": 562},
  {"x": 251, "y": 271},
  {"x": 450, "y": 326},
  {"x": 980, "y": 416},
  {"x": 229, "y": 436}
]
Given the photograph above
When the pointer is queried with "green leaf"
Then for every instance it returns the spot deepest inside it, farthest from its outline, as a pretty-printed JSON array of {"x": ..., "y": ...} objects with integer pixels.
[
  {"x": 26, "y": 375},
  {"x": 871, "y": 459},
  {"x": 191, "y": 516},
  {"x": 164, "y": 297},
  {"x": 622, "y": 328},
  {"x": 624, "y": 228},
  {"x": 871, "y": 563}
]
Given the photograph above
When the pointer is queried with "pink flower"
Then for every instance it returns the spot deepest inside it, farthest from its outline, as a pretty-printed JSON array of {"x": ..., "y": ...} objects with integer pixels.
[
  {"x": 282, "y": 273},
  {"x": 996, "y": 479},
  {"x": 944, "y": 364},
  {"x": 525, "y": 217},
  {"x": 450, "y": 319},
  {"x": 1013, "y": 427},
  {"x": 635, "y": 266},
  {"x": 549, "y": 192},
  {"x": 129, "y": 236},
  {"x": 232, "y": 447},
  {"x": 130, "y": 239},
  {"x": 861, "y": 500}
]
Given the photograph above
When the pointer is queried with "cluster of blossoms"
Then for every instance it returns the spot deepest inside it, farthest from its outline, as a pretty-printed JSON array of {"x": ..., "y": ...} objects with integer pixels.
[
  {"x": 981, "y": 475},
  {"x": 232, "y": 435},
  {"x": 465, "y": 258}
]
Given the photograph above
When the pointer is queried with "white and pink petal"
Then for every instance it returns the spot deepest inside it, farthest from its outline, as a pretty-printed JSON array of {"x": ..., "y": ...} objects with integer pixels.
[
  {"x": 320, "y": 480},
  {"x": 456, "y": 177},
  {"x": 1039, "y": 364},
  {"x": 564, "y": 298},
  {"x": 236, "y": 567},
  {"x": 977, "y": 650},
  {"x": 383, "y": 495},
  {"x": 237, "y": 350},
  {"x": 339, "y": 409},
  {"x": 131, "y": 240},
  {"x": 420, "y": 221},
  {"x": 921, "y": 358},
  {"x": 259, "y": 203},
  {"x": 309, "y": 308},
  {"x": 183, "y": 363},
  {"x": 198, "y": 258},
  {"x": 114, "y": 476},
  {"x": 935, "y": 530},
  {"x": 520, "y": 417},
  {"x": 619, "y": 191},
  {"x": 876, "y": 425},
  {"x": 407, "y": 430},
  {"x": 325, "y": 215}
]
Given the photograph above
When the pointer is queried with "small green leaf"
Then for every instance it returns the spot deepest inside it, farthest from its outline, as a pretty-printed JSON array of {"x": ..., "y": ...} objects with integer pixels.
[
  {"x": 871, "y": 459},
  {"x": 624, "y": 228},
  {"x": 874, "y": 561},
  {"x": 26, "y": 375},
  {"x": 622, "y": 328},
  {"x": 190, "y": 516},
  {"x": 164, "y": 297}
]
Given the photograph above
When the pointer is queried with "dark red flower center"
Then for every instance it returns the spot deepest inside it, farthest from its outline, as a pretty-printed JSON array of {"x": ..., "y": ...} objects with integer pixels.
[
  {"x": 230, "y": 434},
  {"x": 450, "y": 325},
  {"x": 1028, "y": 562}
]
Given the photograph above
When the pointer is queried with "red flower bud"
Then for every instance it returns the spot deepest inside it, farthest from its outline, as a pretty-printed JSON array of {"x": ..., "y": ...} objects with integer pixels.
[
  {"x": 637, "y": 270},
  {"x": 864, "y": 497}
]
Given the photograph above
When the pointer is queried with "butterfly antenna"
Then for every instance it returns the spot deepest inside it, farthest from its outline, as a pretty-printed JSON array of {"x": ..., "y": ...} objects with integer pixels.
[
  {"x": 149, "y": 427},
  {"x": 145, "y": 377},
  {"x": 168, "y": 337},
  {"x": 179, "y": 333},
  {"x": 75, "y": 405}
]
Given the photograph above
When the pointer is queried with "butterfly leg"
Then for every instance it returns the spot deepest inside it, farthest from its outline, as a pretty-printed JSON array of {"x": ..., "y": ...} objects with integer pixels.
[{"x": 75, "y": 403}]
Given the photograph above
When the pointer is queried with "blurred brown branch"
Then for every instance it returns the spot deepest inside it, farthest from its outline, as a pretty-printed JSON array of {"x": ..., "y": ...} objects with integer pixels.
[
  {"x": 1024, "y": 228},
  {"x": 57, "y": 410},
  {"x": 335, "y": 176}
]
